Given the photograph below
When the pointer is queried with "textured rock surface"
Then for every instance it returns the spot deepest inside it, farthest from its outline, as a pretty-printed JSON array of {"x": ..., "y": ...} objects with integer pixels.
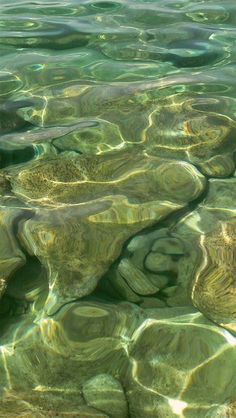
[
  {"x": 106, "y": 394},
  {"x": 166, "y": 361},
  {"x": 79, "y": 202},
  {"x": 175, "y": 362}
]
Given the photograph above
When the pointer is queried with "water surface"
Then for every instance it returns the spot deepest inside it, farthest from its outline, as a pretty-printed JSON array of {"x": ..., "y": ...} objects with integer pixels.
[{"x": 117, "y": 209}]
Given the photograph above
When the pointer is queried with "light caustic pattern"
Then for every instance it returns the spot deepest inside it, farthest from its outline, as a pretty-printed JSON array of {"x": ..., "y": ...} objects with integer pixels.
[{"x": 117, "y": 209}]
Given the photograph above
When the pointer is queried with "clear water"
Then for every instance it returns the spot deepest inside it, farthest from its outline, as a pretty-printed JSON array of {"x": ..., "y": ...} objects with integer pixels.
[{"x": 117, "y": 209}]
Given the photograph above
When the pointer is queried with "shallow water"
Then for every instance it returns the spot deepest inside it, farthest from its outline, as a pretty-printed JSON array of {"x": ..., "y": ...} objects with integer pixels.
[{"x": 117, "y": 209}]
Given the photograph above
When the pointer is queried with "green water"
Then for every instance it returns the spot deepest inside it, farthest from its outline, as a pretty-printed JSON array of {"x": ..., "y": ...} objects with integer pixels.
[{"x": 117, "y": 209}]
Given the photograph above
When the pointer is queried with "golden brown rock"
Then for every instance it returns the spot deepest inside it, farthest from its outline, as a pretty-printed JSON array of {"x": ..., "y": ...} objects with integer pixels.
[{"x": 214, "y": 286}]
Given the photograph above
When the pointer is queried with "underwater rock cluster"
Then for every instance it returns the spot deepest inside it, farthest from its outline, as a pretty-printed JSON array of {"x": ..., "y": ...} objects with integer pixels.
[{"x": 120, "y": 265}]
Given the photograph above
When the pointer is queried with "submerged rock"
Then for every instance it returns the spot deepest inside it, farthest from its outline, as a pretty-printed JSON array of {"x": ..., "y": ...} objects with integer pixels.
[
  {"x": 10, "y": 121},
  {"x": 191, "y": 261},
  {"x": 98, "y": 137},
  {"x": 92, "y": 338},
  {"x": 106, "y": 394},
  {"x": 71, "y": 178},
  {"x": 174, "y": 362},
  {"x": 19, "y": 140},
  {"x": 81, "y": 202},
  {"x": 214, "y": 287},
  {"x": 194, "y": 128},
  {"x": 45, "y": 402},
  {"x": 11, "y": 255},
  {"x": 205, "y": 274},
  {"x": 122, "y": 360},
  {"x": 148, "y": 266}
]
